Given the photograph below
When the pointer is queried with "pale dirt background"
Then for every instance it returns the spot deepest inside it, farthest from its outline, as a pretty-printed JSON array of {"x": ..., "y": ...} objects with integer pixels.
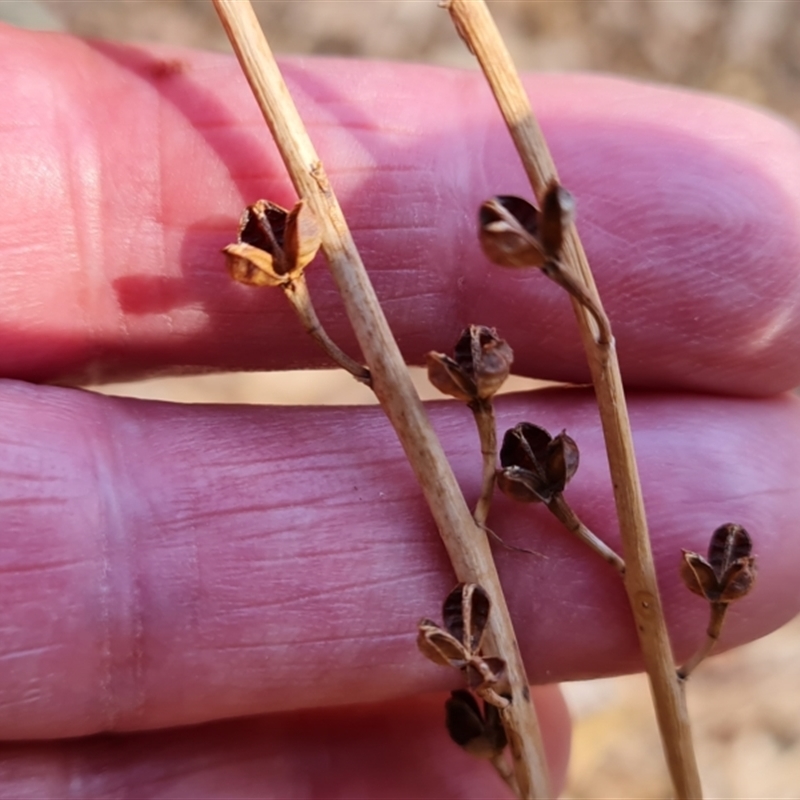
[{"x": 744, "y": 704}]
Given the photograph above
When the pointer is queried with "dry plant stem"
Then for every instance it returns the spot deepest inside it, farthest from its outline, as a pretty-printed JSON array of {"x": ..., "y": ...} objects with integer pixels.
[
  {"x": 718, "y": 611},
  {"x": 476, "y": 26},
  {"x": 297, "y": 293},
  {"x": 483, "y": 411},
  {"x": 564, "y": 513},
  {"x": 559, "y": 274},
  {"x": 465, "y": 542}
]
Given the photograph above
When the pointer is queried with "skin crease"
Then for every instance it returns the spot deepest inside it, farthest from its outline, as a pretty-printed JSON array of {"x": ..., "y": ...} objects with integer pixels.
[{"x": 167, "y": 566}]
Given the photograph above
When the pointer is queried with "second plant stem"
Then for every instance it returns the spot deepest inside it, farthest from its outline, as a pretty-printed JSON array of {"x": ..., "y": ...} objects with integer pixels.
[{"x": 475, "y": 24}]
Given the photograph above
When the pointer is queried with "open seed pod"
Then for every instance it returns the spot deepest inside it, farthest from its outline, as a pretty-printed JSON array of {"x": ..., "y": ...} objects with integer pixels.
[
  {"x": 514, "y": 233},
  {"x": 509, "y": 232},
  {"x": 274, "y": 245},
  {"x": 457, "y": 642},
  {"x": 535, "y": 465},
  {"x": 480, "y": 365},
  {"x": 465, "y": 613},
  {"x": 728, "y": 572}
]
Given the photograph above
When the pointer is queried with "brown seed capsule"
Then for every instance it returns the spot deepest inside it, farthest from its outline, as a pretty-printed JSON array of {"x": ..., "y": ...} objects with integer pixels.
[
  {"x": 536, "y": 468},
  {"x": 447, "y": 377},
  {"x": 274, "y": 245},
  {"x": 535, "y": 465},
  {"x": 465, "y": 612},
  {"x": 509, "y": 232},
  {"x": 484, "y": 357},
  {"x": 725, "y": 575},
  {"x": 513, "y": 233},
  {"x": 729, "y": 571},
  {"x": 480, "y": 365},
  {"x": 465, "y": 724},
  {"x": 480, "y": 734}
]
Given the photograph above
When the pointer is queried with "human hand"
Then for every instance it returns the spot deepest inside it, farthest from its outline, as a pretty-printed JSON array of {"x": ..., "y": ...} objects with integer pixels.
[{"x": 166, "y": 565}]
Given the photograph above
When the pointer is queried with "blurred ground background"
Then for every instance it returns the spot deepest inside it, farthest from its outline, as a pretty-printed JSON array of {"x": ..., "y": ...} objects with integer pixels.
[{"x": 744, "y": 704}]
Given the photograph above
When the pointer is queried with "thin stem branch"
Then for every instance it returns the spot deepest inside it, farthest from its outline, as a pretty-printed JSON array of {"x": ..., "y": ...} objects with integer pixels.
[
  {"x": 562, "y": 510},
  {"x": 557, "y": 273},
  {"x": 718, "y": 611},
  {"x": 483, "y": 410},
  {"x": 298, "y": 295},
  {"x": 474, "y": 23},
  {"x": 465, "y": 542}
]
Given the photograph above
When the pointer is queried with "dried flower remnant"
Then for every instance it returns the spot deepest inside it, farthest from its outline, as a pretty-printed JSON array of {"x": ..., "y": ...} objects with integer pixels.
[
  {"x": 509, "y": 232},
  {"x": 274, "y": 245},
  {"x": 480, "y": 365},
  {"x": 536, "y": 468},
  {"x": 468, "y": 551},
  {"x": 514, "y": 233},
  {"x": 273, "y": 248},
  {"x": 536, "y": 465},
  {"x": 457, "y": 643},
  {"x": 727, "y": 574}
]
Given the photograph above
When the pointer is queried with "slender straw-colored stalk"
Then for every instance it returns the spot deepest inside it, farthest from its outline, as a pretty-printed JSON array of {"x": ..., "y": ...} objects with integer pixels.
[
  {"x": 718, "y": 611},
  {"x": 563, "y": 512},
  {"x": 487, "y": 434},
  {"x": 475, "y": 25},
  {"x": 298, "y": 295},
  {"x": 466, "y": 544}
]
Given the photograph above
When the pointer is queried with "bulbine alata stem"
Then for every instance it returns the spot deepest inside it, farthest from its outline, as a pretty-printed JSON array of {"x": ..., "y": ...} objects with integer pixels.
[
  {"x": 466, "y": 543},
  {"x": 475, "y": 25}
]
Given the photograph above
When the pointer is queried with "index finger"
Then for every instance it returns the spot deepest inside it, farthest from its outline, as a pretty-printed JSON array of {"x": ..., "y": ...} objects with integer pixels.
[{"x": 125, "y": 170}]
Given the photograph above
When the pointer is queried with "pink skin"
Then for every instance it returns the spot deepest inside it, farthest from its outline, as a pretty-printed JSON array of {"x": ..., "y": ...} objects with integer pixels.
[{"x": 166, "y": 565}]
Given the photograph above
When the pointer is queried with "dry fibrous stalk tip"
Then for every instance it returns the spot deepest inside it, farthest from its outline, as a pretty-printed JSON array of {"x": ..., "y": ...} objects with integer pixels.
[
  {"x": 273, "y": 248},
  {"x": 514, "y": 233},
  {"x": 480, "y": 365},
  {"x": 536, "y": 468},
  {"x": 725, "y": 575}
]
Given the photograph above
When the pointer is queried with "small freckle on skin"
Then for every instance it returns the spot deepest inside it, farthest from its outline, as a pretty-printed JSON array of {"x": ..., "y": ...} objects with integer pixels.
[{"x": 167, "y": 67}]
